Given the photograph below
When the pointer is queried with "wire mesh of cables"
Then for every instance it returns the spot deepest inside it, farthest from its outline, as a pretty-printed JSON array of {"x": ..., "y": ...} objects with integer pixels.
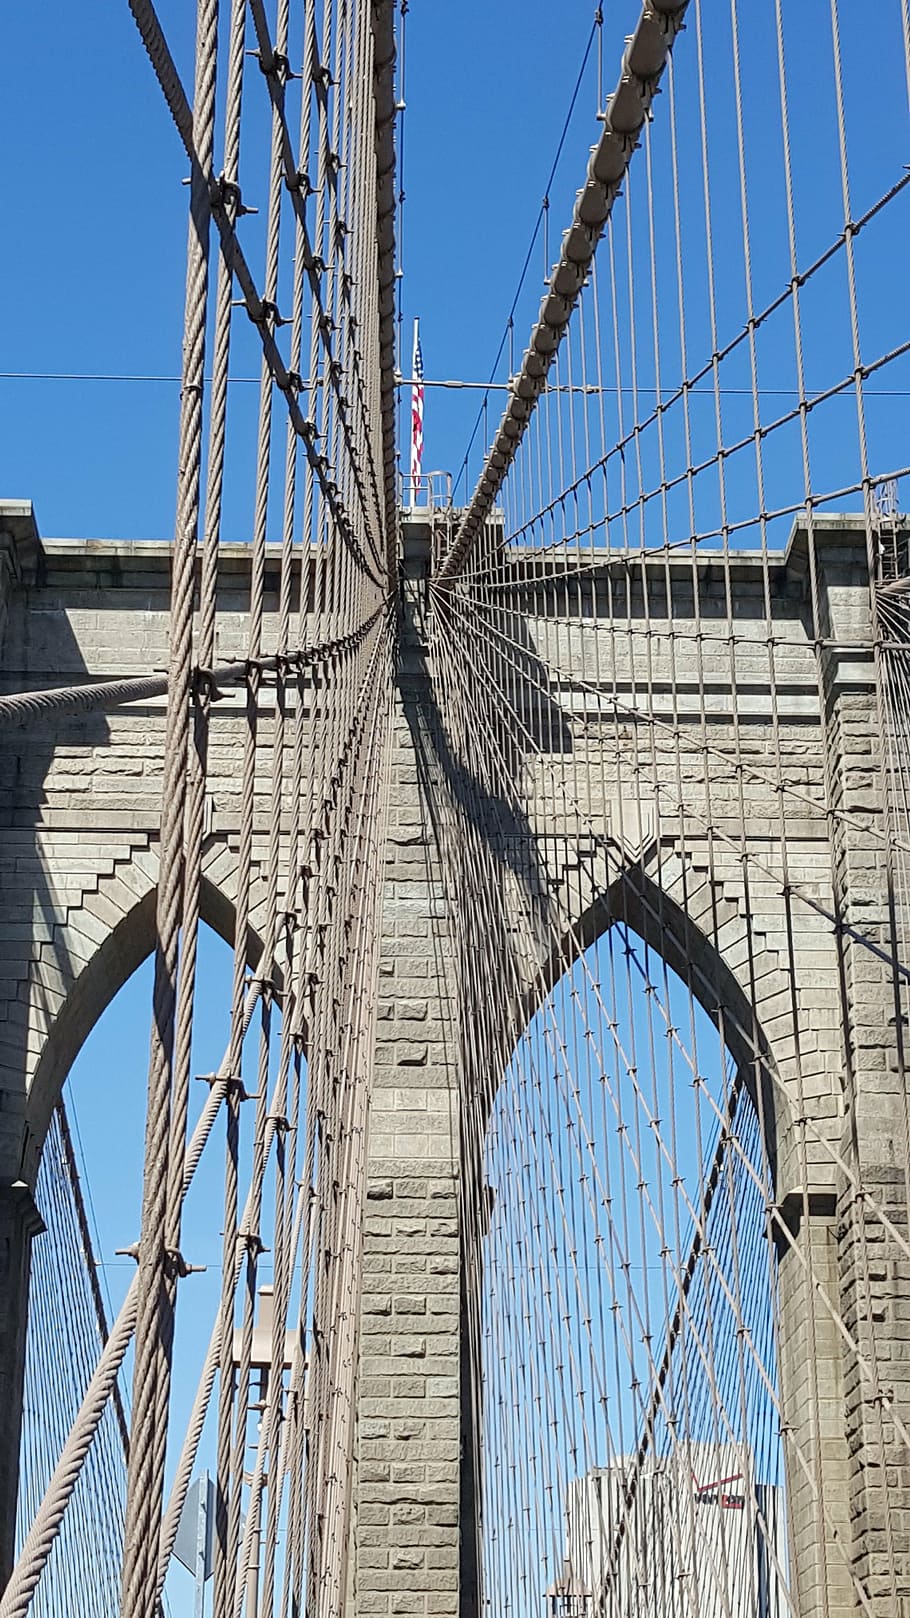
[
  {"x": 290, "y": 113},
  {"x": 67, "y": 1329},
  {"x": 669, "y": 649},
  {"x": 626, "y": 1265}
]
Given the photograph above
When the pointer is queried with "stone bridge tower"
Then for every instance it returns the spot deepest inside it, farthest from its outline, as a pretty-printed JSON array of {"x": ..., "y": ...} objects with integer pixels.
[{"x": 79, "y": 804}]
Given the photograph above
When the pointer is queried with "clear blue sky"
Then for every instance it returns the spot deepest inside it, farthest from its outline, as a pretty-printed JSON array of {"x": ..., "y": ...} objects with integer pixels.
[{"x": 91, "y": 275}]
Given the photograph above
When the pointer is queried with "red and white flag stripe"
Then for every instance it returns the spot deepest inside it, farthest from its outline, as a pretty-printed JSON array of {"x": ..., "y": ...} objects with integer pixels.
[{"x": 416, "y": 417}]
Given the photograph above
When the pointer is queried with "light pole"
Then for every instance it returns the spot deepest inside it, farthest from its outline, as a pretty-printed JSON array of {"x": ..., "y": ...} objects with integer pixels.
[{"x": 568, "y": 1597}]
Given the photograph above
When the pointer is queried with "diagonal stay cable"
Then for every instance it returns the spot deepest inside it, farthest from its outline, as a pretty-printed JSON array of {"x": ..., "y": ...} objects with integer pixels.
[
  {"x": 22, "y": 707},
  {"x": 36, "y": 1548},
  {"x": 644, "y": 60},
  {"x": 275, "y": 71},
  {"x": 784, "y": 886},
  {"x": 33, "y": 1556},
  {"x": 162, "y": 61}
]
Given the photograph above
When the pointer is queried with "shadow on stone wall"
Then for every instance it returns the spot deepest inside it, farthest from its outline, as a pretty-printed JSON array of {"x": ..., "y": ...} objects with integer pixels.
[
  {"x": 35, "y": 654},
  {"x": 494, "y": 845},
  {"x": 33, "y": 899}
]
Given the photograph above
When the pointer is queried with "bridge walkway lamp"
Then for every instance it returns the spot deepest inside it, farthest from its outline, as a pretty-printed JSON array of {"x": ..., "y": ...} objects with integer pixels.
[{"x": 568, "y": 1597}]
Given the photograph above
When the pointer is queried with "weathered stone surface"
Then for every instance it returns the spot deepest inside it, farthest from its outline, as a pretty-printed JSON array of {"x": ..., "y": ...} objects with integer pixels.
[
  {"x": 79, "y": 804},
  {"x": 413, "y": 1158}
]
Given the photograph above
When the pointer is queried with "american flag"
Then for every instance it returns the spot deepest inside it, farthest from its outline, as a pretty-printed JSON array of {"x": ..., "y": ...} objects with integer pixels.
[{"x": 416, "y": 417}]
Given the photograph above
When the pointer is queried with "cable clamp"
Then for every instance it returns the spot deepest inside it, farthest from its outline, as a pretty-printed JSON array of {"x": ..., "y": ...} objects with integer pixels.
[
  {"x": 881, "y": 1398},
  {"x": 232, "y": 1084},
  {"x": 225, "y": 193},
  {"x": 282, "y": 69},
  {"x": 268, "y": 313},
  {"x": 177, "y": 1267},
  {"x": 205, "y": 684},
  {"x": 266, "y": 986},
  {"x": 275, "y": 65},
  {"x": 300, "y": 183}
]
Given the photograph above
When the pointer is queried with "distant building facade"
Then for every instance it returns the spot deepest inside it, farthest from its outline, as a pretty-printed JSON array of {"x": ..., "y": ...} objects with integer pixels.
[{"x": 691, "y": 1535}]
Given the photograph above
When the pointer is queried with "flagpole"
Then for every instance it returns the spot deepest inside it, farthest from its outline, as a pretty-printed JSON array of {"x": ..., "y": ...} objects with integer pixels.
[{"x": 413, "y": 478}]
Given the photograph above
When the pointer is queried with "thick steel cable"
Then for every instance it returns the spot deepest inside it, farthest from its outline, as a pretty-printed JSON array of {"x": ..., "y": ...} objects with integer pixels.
[
  {"x": 271, "y": 60},
  {"x": 352, "y": 604},
  {"x": 258, "y": 309},
  {"x": 643, "y": 64},
  {"x": 347, "y": 762},
  {"x": 158, "y": 1267},
  {"x": 23, "y": 707},
  {"x": 233, "y": 1381},
  {"x": 198, "y": 746},
  {"x": 382, "y": 18}
]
